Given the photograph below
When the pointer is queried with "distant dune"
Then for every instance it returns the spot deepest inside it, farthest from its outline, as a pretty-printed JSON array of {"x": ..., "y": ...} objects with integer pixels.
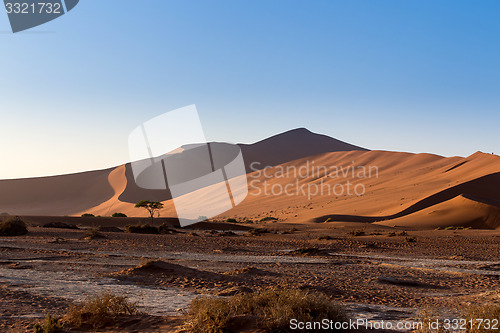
[
  {"x": 290, "y": 146},
  {"x": 399, "y": 189},
  {"x": 58, "y": 195}
]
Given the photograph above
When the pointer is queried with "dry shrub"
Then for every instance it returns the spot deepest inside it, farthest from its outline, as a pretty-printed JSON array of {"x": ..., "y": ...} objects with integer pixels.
[
  {"x": 141, "y": 229},
  {"x": 426, "y": 316},
  {"x": 49, "y": 325},
  {"x": 273, "y": 310},
  {"x": 357, "y": 233},
  {"x": 100, "y": 311},
  {"x": 482, "y": 316},
  {"x": 477, "y": 317},
  {"x": 94, "y": 234},
  {"x": 257, "y": 231},
  {"x": 13, "y": 226}
]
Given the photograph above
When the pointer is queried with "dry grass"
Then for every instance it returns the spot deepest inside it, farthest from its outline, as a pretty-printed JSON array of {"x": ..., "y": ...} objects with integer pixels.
[
  {"x": 272, "y": 310},
  {"x": 100, "y": 311},
  {"x": 427, "y": 316},
  {"x": 478, "y": 318},
  {"x": 482, "y": 316},
  {"x": 49, "y": 325}
]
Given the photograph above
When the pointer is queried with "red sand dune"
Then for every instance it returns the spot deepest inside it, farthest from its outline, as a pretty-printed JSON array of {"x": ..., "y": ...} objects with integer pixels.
[{"x": 413, "y": 190}]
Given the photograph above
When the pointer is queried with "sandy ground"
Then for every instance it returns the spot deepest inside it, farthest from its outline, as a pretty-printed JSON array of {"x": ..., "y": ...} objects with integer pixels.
[{"x": 376, "y": 275}]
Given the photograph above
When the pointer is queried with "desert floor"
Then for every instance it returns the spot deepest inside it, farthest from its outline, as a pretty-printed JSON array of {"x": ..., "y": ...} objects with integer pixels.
[{"x": 375, "y": 275}]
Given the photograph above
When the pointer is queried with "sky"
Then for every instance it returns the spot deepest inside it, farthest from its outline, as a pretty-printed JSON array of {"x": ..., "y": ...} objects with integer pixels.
[{"x": 415, "y": 75}]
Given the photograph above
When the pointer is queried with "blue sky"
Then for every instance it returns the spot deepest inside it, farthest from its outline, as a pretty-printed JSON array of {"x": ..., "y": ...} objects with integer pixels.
[{"x": 418, "y": 76}]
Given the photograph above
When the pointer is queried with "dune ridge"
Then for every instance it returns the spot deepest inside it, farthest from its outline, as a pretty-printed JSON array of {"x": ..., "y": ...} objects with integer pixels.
[{"x": 414, "y": 190}]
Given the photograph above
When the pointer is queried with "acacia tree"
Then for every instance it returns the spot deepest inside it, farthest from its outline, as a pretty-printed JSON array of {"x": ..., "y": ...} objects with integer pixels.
[{"x": 151, "y": 206}]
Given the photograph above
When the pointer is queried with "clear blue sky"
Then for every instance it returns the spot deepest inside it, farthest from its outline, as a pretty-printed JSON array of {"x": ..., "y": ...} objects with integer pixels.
[{"x": 413, "y": 75}]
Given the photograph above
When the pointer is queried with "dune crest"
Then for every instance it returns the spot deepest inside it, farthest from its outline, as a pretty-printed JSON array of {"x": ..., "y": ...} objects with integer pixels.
[{"x": 118, "y": 183}]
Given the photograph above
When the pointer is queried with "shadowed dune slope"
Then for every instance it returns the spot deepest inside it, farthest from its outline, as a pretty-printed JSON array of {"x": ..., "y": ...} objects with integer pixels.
[
  {"x": 106, "y": 191},
  {"x": 278, "y": 149},
  {"x": 484, "y": 189},
  {"x": 290, "y": 146},
  {"x": 460, "y": 211},
  {"x": 58, "y": 195}
]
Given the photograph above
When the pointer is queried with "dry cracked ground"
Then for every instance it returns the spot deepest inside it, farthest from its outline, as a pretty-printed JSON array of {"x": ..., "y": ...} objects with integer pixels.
[{"x": 376, "y": 272}]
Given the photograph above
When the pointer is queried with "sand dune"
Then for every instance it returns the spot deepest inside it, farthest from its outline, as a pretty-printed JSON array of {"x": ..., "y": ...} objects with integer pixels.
[
  {"x": 406, "y": 183},
  {"x": 58, "y": 195},
  {"x": 347, "y": 185},
  {"x": 118, "y": 181},
  {"x": 290, "y": 146},
  {"x": 461, "y": 211}
]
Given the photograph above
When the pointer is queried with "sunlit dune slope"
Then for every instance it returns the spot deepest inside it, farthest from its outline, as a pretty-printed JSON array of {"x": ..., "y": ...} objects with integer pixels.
[{"x": 405, "y": 184}]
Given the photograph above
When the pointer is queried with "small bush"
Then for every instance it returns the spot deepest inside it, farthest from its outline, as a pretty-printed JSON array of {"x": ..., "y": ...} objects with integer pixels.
[
  {"x": 227, "y": 233},
  {"x": 357, "y": 233},
  {"x": 60, "y": 225},
  {"x": 94, "y": 234},
  {"x": 231, "y": 220},
  {"x": 454, "y": 228},
  {"x": 268, "y": 218},
  {"x": 410, "y": 239},
  {"x": 49, "y": 325},
  {"x": 109, "y": 229},
  {"x": 88, "y": 215},
  {"x": 100, "y": 311},
  {"x": 273, "y": 310},
  {"x": 118, "y": 215},
  {"x": 324, "y": 237},
  {"x": 393, "y": 234},
  {"x": 289, "y": 231},
  {"x": 141, "y": 229},
  {"x": 309, "y": 251},
  {"x": 13, "y": 226},
  {"x": 166, "y": 229},
  {"x": 258, "y": 231}
]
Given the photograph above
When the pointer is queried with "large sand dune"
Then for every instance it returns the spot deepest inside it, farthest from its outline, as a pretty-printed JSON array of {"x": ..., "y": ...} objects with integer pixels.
[
  {"x": 405, "y": 184},
  {"x": 336, "y": 182}
]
